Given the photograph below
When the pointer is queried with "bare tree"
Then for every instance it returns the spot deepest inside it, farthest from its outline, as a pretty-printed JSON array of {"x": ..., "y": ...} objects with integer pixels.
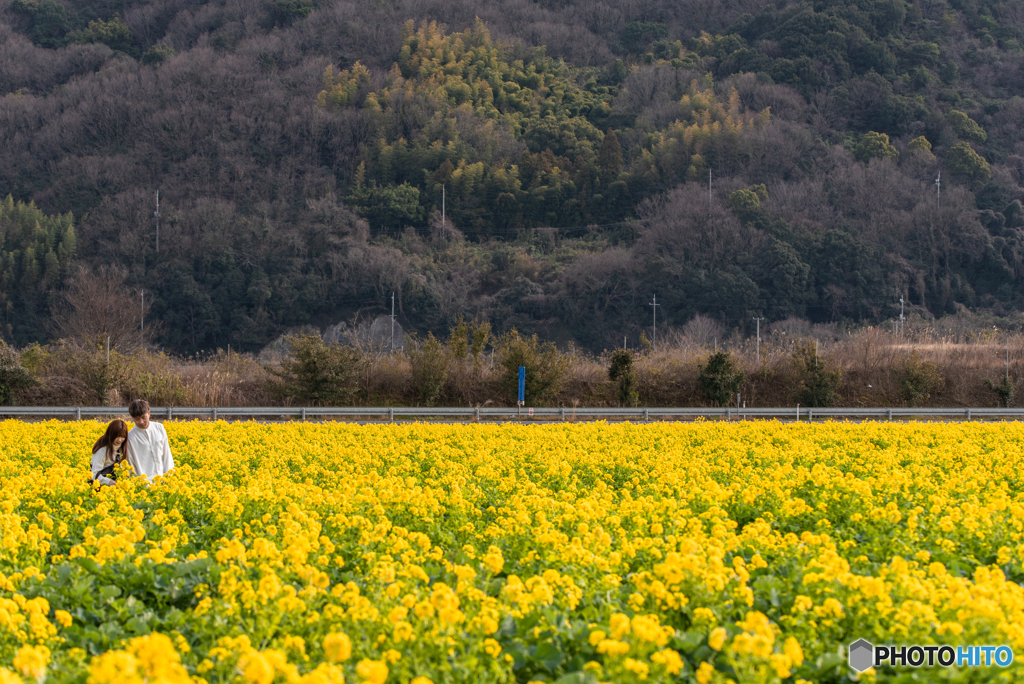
[
  {"x": 99, "y": 303},
  {"x": 703, "y": 330}
]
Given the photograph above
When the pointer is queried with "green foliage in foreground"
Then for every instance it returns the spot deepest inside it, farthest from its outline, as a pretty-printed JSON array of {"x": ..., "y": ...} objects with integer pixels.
[
  {"x": 720, "y": 379},
  {"x": 316, "y": 373}
]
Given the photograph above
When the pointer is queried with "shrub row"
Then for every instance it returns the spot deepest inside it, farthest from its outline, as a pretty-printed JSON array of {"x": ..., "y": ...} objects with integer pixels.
[{"x": 474, "y": 368}]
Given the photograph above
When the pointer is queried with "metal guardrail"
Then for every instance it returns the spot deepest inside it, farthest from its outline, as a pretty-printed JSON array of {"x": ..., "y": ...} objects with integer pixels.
[{"x": 388, "y": 413}]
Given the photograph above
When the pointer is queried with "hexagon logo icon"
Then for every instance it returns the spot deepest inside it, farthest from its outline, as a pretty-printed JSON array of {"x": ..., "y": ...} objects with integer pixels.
[{"x": 861, "y": 655}]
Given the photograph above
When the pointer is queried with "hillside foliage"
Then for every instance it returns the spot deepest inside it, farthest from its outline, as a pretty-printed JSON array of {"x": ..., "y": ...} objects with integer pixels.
[{"x": 544, "y": 166}]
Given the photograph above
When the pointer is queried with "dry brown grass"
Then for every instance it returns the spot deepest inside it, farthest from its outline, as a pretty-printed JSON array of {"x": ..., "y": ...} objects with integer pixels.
[
  {"x": 226, "y": 379},
  {"x": 870, "y": 361}
]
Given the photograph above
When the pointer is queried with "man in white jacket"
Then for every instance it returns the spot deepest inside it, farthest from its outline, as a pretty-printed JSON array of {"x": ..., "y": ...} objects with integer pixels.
[{"x": 148, "y": 444}]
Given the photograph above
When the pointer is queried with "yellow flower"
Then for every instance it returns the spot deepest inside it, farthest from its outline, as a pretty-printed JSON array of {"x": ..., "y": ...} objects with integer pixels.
[
  {"x": 704, "y": 616},
  {"x": 8, "y": 677},
  {"x": 31, "y": 661},
  {"x": 705, "y": 673},
  {"x": 421, "y": 680},
  {"x": 641, "y": 670},
  {"x": 403, "y": 632},
  {"x": 493, "y": 559},
  {"x": 950, "y": 628},
  {"x": 619, "y": 626},
  {"x": 325, "y": 673},
  {"x": 492, "y": 647},
  {"x": 648, "y": 628},
  {"x": 792, "y": 649},
  {"x": 63, "y": 617},
  {"x": 337, "y": 647},
  {"x": 255, "y": 668},
  {"x": 717, "y": 638},
  {"x": 672, "y": 661},
  {"x": 114, "y": 667},
  {"x": 372, "y": 671},
  {"x": 802, "y": 603},
  {"x": 780, "y": 663},
  {"x": 612, "y": 647}
]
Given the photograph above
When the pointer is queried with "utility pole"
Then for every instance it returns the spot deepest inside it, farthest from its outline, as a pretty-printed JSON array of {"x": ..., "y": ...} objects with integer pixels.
[
  {"x": 156, "y": 215},
  {"x": 142, "y": 314},
  {"x": 758, "y": 319},
  {"x": 654, "y": 304},
  {"x": 902, "y": 330},
  {"x": 442, "y": 208},
  {"x": 938, "y": 189},
  {"x": 1007, "y": 359},
  {"x": 393, "y": 321},
  {"x": 709, "y": 190}
]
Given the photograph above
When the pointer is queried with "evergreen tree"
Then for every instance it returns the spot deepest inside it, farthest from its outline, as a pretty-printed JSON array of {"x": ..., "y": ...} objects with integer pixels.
[{"x": 609, "y": 157}]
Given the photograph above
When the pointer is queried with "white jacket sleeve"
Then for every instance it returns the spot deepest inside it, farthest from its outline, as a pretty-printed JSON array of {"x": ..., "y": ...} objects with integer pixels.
[
  {"x": 129, "y": 455},
  {"x": 167, "y": 458},
  {"x": 98, "y": 457}
]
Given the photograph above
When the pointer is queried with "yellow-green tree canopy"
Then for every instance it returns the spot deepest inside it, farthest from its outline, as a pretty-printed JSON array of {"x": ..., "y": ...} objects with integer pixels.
[
  {"x": 920, "y": 144},
  {"x": 966, "y": 128},
  {"x": 515, "y": 137},
  {"x": 875, "y": 145},
  {"x": 963, "y": 161}
]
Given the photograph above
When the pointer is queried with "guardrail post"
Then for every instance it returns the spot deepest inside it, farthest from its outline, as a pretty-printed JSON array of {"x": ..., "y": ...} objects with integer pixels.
[
  {"x": 214, "y": 414},
  {"x": 170, "y": 413},
  {"x": 728, "y": 415},
  {"x": 890, "y": 414},
  {"x": 303, "y": 413},
  {"x": 391, "y": 415},
  {"x": 968, "y": 414},
  {"x": 647, "y": 416},
  {"x": 562, "y": 412},
  {"x": 478, "y": 414},
  {"x": 810, "y": 415},
  {"x": 78, "y": 413}
]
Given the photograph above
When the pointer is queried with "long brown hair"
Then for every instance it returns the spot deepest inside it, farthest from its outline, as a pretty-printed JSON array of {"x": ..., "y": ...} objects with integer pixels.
[{"x": 117, "y": 428}]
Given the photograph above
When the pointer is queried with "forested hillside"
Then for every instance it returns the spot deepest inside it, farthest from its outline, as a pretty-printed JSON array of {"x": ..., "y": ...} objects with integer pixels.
[{"x": 736, "y": 158}]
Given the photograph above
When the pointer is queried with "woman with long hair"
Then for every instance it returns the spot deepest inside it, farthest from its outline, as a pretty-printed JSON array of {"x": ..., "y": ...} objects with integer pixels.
[{"x": 109, "y": 450}]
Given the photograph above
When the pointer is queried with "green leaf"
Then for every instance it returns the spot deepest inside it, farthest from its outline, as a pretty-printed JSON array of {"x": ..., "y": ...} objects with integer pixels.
[
  {"x": 688, "y": 641},
  {"x": 828, "y": 661},
  {"x": 109, "y": 592},
  {"x": 548, "y": 655},
  {"x": 507, "y": 629}
]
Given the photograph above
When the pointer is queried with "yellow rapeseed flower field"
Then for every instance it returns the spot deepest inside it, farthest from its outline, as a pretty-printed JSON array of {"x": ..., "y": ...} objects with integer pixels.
[{"x": 316, "y": 553}]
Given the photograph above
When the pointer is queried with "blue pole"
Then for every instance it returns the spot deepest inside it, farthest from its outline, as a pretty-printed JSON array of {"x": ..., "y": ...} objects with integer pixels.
[{"x": 522, "y": 385}]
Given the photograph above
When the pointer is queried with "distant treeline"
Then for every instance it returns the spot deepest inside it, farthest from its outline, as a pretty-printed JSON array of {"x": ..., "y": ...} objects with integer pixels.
[{"x": 739, "y": 160}]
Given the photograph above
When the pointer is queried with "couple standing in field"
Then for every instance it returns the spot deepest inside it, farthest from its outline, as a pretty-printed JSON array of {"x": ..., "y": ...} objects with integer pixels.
[{"x": 145, "y": 448}]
